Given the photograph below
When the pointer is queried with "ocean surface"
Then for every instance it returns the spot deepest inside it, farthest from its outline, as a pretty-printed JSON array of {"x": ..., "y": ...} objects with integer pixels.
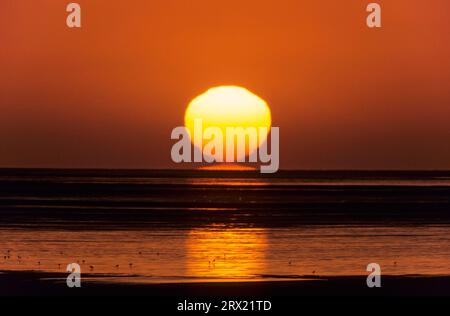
[{"x": 188, "y": 226}]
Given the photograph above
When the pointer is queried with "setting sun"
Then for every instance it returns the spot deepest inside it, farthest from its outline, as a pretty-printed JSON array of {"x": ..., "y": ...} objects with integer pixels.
[{"x": 230, "y": 106}]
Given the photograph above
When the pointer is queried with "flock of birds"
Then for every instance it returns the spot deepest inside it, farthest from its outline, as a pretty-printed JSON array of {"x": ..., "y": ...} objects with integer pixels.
[
  {"x": 211, "y": 263},
  {"x": 8, "y": 256}
]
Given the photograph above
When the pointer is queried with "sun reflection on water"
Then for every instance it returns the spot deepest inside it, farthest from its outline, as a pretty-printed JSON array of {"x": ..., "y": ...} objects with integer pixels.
[{"x": 226, "y": 254}]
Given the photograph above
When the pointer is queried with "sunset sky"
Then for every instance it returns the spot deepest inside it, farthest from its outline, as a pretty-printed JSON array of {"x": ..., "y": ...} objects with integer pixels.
[{"x": 109, "y": 94}]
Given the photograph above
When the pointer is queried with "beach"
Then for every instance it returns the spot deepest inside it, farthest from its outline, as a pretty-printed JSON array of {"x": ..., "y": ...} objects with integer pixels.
[{"x": 43, "y": 284}]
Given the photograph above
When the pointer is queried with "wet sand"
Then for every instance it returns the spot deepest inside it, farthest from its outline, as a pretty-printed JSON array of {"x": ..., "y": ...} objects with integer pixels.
[{"x": 32, "y": 283}]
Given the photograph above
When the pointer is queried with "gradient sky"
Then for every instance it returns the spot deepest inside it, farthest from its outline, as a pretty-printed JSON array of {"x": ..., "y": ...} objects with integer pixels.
[{"x": 108, "y": 95}]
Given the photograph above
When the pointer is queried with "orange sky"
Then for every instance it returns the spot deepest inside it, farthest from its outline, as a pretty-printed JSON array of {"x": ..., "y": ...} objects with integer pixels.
[{"x": 109, "y": 94}]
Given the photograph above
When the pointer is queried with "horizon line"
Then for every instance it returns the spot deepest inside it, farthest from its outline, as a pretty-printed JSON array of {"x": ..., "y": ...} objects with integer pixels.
[{"x": 203, "y": 169}]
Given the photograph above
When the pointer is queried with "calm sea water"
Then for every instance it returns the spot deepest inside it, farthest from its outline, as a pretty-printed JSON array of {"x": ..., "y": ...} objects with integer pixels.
[{"x": 185, "y": 226}]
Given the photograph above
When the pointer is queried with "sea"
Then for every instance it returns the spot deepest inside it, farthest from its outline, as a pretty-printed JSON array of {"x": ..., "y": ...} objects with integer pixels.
[{"x": 180, "y": 226}]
